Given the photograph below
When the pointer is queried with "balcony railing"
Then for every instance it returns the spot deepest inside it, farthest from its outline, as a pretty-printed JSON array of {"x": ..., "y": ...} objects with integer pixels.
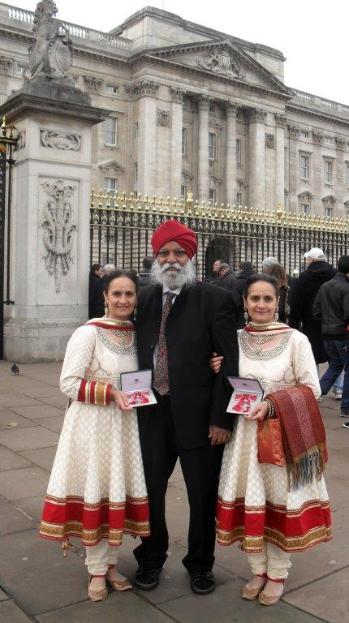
[{"x": 75, "y": 30}]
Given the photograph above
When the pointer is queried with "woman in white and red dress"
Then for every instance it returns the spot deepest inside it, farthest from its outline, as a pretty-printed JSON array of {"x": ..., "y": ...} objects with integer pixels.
[
  {"x": 97, "y": 488},
  {"x": 274, "y": 510}
]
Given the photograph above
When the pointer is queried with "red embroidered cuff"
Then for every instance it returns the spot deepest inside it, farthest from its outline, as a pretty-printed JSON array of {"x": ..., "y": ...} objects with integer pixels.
[{"x": 95, "y": 392}]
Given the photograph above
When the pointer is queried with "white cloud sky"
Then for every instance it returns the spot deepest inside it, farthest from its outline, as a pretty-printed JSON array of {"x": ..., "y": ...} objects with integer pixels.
[{"x": 312, "y": 34}]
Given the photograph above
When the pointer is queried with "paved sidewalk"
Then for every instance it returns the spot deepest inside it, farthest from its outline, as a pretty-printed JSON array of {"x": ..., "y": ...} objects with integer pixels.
[{"x": 39, "y": 585}]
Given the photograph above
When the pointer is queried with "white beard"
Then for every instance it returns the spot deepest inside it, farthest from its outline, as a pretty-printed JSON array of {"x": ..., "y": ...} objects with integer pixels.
[{"x": 173, "y": 276}]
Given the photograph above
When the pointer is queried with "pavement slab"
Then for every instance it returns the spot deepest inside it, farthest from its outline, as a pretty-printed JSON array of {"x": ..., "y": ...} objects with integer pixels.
[
  {"x": 43, "y": 457},
  {"x": 12, "y": 519},
  {"x": 32, "y": 506},
  {"x": 10, "y": 420},
  {"x": 11, "y": 460},
  {"x": 127, "y": 607},
  {"x": 13, "y": 399},
  {"x": 52, "y": 423},
  {"x": 226, "y": 606},
  {"x": 11, "y": 613},
  {"x": 28, "y": 438},
  {"x": 39, "y": 411},
  {"x": 3, "y": 596},
  {"x": 65, "y": 578},
  {"x": 328, "y": 598},
  {"x": 20, "y": 483}
]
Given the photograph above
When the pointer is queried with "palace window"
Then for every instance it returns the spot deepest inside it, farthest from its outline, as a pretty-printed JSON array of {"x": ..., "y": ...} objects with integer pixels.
[
  {"x": 328, "y": 171},
  {"x": 135, "y": 131},
  {"x": 212, "y": 195},
  {"x": 110, "y": 128},
  {"x": 212, "y": 146},
  {"x": 239, "y": 199},
  {"x": 329, "y": 204},
  {"x": 304, "y": 166},
  {"x": 184, "y": 141},
  {"x": 19, "y": 68},
  {"x": 135, "y": 176},
  {"x": 110, "y": 184},
  {"x": 184, "y": 192},
  {"x": 305, "y": 202},
  {"x": 112, "y": 89},
  {"x": 238, "y": 152}
]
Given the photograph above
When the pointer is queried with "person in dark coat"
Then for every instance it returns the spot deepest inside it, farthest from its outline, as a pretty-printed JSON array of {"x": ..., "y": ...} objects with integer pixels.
[
  {"x": 318, "y": 271},
  {"x": 225, "y": 278},
  {"x": 331, "y": 306},
  {"x": 180, "y": 323},
  {"x": 144, "y": 275},
  {"x": 238, "y": 290},
  {"x": 95, "y": 292}
]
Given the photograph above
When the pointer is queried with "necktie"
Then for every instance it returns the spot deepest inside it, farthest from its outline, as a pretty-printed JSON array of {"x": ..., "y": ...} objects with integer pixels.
[{"x": 161, "y": 382}]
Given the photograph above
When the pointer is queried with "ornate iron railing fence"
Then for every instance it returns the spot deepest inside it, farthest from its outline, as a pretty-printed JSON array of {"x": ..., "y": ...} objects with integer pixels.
[{"x": 121, "y": 228}]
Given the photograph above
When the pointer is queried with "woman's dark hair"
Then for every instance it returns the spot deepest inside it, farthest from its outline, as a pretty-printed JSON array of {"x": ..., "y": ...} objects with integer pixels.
[
  {"x": 95, "y": 267},
  {"x": 262, "y": 277},
  {"x": 343, "y": 264},
  {"x": 277, "y": 271},
  {"x": 119, "y": 272}
]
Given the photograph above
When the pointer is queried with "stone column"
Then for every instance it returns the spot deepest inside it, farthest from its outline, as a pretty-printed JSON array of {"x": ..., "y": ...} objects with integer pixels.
[
  {"x": 230, "y": 157},
  {"x": 256, "y": 181},
  {"x": 176, "y": 142},
  {"x": 293, "y": 133},
  {"x": 145, "y": 92},
  {"x": 203, "y": 168},
  {"x": 280, "y": 122},
  {"x": 318, "y": 172},
  {"x": 339, "y": 179},
  {"x": 50, "y": 250}
]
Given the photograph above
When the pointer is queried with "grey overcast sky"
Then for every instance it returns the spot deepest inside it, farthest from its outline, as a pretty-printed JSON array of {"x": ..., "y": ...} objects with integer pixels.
[{"x": 312, "y": 34}]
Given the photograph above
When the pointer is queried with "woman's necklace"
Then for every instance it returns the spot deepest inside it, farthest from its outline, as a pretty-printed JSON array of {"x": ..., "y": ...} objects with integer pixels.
[{"x": 256, "y": 342}]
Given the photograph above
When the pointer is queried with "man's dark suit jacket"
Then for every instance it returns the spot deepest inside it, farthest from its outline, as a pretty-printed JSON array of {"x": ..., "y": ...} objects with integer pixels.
[{"x": 202, "y": 320}]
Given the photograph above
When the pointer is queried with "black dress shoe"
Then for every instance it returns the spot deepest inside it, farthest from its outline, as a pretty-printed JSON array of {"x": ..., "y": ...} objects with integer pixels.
[
  {"x": 147, "y": 579},
  {"x": 202, "y": 583}
]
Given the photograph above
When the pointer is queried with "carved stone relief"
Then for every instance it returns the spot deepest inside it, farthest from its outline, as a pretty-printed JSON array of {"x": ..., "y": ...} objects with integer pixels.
[
  {"x": 318, "y": 137},
  {"x": 269, "y": 141},
  {"x": 111, "y": 167},
  {"x": 221, "y": 62},
  {"x": 163, "y": 117},
  {"x": 340, "y": 143},
  {"x": 64, "y": 141},
  {"x": 141, "y": 88},
  {"x": 5, "y": 64},
  {"x": 21, "y": 140},
  {"x": 177, "y": 95},
  {"x": 58, "y": 230},
  {"x": 93, "y": 84}
]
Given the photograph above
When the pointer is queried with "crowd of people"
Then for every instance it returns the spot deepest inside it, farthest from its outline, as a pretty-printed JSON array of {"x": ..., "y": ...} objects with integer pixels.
[{"x": 255, "y": 478}]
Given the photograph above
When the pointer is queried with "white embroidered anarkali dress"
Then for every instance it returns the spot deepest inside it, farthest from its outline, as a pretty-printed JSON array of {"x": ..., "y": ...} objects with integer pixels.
[
  {"x": 97, "y": 487},
  {"x": 254, "y": 504}
]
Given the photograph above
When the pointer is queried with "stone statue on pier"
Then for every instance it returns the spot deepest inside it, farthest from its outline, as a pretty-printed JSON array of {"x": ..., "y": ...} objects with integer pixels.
[{"x": 51, "y": 55}]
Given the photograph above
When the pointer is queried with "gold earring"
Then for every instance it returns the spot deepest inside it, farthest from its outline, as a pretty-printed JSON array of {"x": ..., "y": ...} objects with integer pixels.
[
  {"x": 106, "y": 309},
  {"x": 246, "y": 316}
]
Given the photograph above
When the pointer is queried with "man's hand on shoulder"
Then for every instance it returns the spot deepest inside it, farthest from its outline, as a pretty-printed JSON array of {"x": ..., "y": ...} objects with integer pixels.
[{"x": 219, "y": 435}]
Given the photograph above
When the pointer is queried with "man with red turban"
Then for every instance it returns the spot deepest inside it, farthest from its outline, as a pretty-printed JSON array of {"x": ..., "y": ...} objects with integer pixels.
[{"x": 180, "y": 323}]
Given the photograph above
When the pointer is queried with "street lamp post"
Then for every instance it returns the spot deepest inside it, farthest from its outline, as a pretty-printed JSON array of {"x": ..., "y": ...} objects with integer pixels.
[{"x": 8, "y": 143}]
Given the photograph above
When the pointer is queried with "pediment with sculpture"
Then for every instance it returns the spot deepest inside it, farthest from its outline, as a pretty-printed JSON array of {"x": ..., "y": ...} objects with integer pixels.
[{"x": 223, "y": 60}]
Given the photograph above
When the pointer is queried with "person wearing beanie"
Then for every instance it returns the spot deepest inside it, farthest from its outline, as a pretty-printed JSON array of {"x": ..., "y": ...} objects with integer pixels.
[{"x": 180, "y": 323}]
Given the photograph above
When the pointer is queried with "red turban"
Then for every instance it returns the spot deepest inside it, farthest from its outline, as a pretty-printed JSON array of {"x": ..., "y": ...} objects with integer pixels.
[{"x": 173, "y": 231}]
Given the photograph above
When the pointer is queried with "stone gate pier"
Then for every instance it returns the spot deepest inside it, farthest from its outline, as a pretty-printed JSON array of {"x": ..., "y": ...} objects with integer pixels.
[{"x": 50, "y": 203}]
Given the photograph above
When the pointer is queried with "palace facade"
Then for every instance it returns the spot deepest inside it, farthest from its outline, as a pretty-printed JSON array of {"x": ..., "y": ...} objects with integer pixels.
[{"x": 195, "y": 110}]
